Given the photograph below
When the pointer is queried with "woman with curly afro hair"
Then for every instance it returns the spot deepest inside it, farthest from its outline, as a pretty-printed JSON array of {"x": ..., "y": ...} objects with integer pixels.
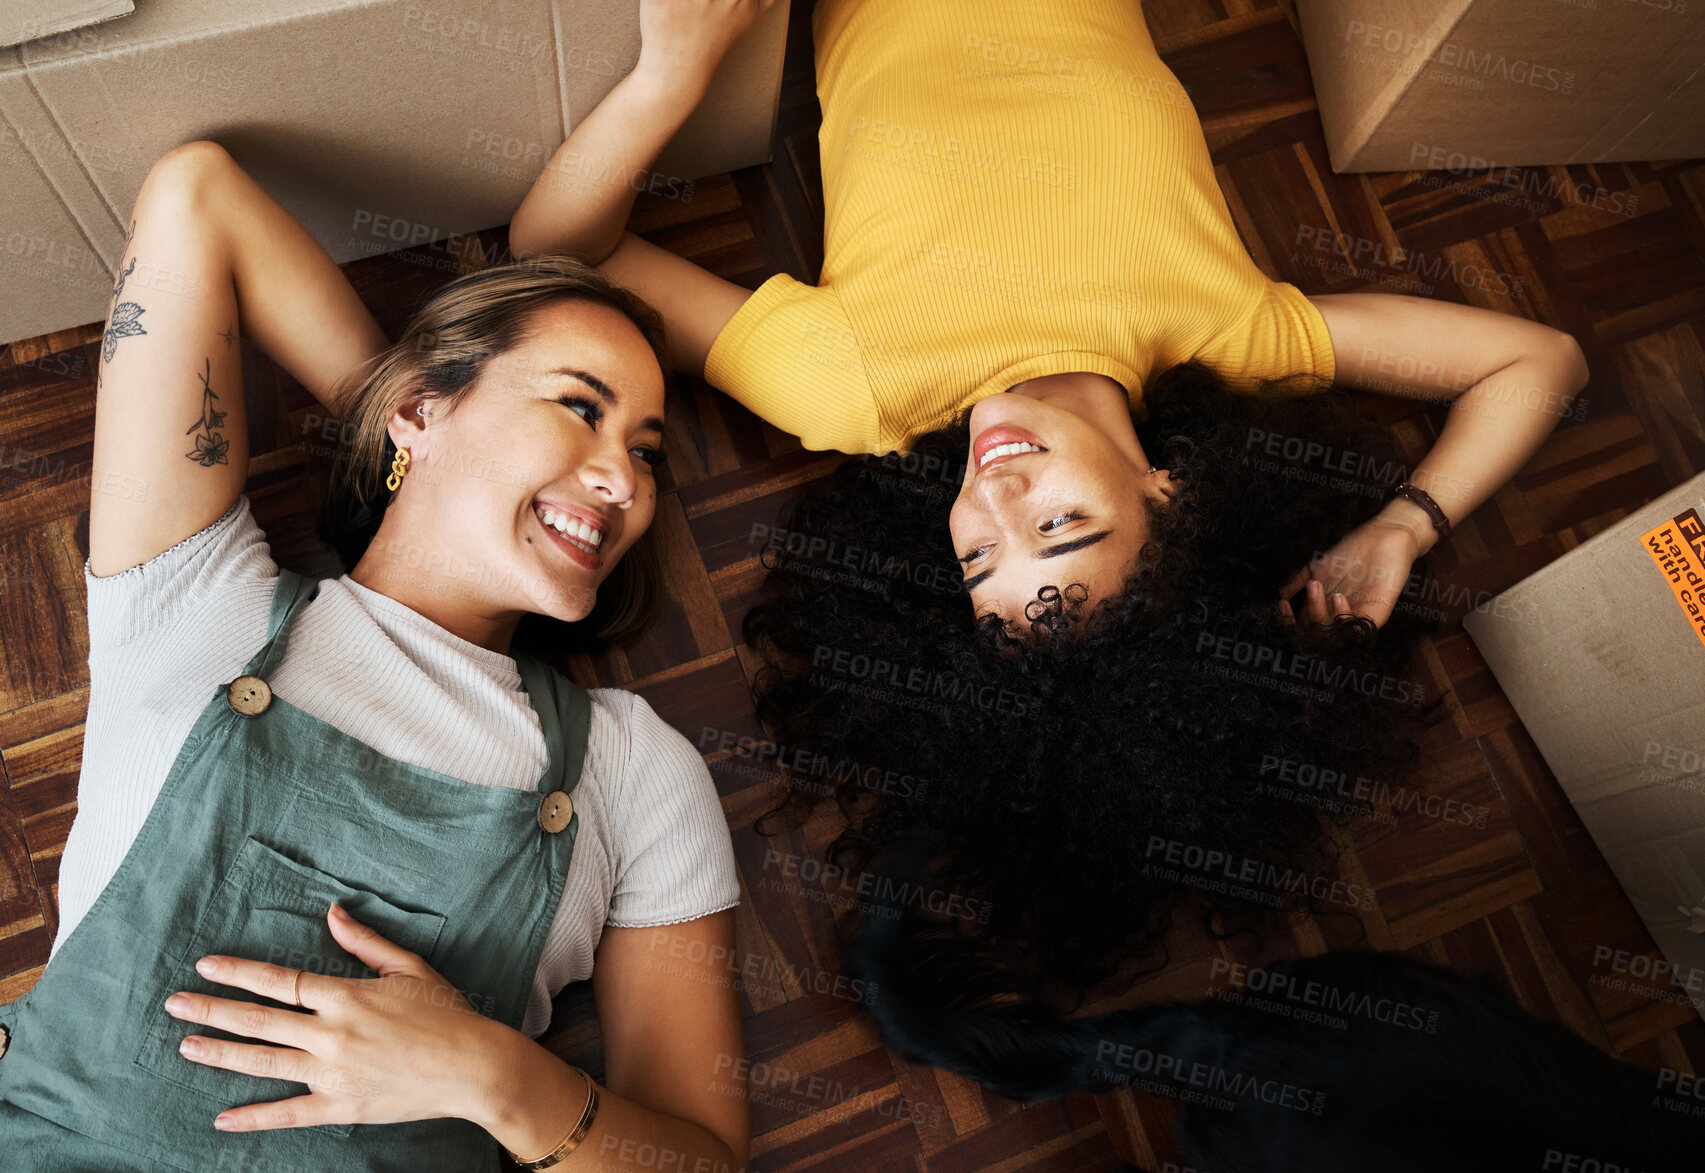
[
  {"x": 1088, "y": 769},
  {"x": 1064, "y": 615}
]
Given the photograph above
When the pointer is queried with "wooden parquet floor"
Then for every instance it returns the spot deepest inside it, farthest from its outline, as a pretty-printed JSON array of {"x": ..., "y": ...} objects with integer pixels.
[{"x": 1527, "y": 896}]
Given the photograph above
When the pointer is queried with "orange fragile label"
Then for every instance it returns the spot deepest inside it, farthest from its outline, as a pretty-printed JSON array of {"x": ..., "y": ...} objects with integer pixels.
[{"x": 1678, "y": 547}]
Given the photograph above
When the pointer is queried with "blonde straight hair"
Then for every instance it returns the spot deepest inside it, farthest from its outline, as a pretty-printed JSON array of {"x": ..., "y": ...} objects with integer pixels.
[{"x": 438, "y": 358}]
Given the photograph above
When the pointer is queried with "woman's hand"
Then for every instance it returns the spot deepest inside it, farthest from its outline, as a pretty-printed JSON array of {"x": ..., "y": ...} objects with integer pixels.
[
  {"x": 405, "y": 1045},
  {"x": 682, "y": 42},
  {"x": 1362, "y": 575}
]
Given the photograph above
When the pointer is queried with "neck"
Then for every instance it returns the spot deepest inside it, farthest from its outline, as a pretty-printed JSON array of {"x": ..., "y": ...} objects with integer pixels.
[
  {"x": 1096, "y": 398},
  {"x": 1080, "y": 391},
  {"x": 432, "y": 594}
]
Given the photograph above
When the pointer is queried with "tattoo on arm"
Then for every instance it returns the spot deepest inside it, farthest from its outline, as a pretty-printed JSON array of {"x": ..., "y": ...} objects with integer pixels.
[
  {"x": 211, "y": 447},
  {"x": 230, "y": 336},
  {"x": 124, "y": 322}
]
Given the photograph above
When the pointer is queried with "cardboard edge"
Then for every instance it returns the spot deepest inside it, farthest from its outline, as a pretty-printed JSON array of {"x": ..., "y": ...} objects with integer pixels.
[
  {"x": 1359, "y": 140},
  {"x": 72, "y": 22}
]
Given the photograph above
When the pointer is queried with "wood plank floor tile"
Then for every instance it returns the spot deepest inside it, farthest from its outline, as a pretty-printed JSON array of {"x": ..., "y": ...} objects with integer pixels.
[{"x": 1517, "y": 889}]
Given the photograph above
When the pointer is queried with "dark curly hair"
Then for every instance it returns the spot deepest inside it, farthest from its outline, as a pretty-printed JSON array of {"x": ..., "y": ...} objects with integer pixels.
[{"x": 1085, "y": 774}]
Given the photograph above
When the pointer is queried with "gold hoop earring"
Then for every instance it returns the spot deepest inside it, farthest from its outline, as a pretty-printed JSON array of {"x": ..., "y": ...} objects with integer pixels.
[{"x": 399, "y": 468}]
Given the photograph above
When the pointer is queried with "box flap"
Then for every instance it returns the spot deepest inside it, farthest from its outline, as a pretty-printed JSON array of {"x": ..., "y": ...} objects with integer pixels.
[
  {"x": 1401, "y": 82},
  {"x": 1360, "y": 74},
  {"x": 60, "y": 234},
  {"x": 27, "y": 20}
]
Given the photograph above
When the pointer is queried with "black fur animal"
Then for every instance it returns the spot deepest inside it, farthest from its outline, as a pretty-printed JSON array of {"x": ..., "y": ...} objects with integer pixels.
[{"x": 1424, "y": 1069}]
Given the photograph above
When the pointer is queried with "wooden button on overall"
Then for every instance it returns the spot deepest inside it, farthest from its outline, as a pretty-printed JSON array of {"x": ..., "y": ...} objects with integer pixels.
[
  {"x": 555, "y": 811},
  {"x": 249, "y": 696}
]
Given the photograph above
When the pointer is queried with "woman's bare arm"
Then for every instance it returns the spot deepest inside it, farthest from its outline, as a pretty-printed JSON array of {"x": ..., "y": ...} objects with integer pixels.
[
  {"x": 675, "y": 1066},
  {"x": 407, "y": 1045},
  {"x": 1508, "y": 380},
  {"x": 210, "y": 256},
  {"x": 582, "y": 198}
]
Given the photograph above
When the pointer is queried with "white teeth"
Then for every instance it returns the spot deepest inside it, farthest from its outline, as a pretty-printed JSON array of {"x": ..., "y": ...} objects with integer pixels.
[
  {"x": 572, "y": 527},
  {"x": 1007, "y": 450}
]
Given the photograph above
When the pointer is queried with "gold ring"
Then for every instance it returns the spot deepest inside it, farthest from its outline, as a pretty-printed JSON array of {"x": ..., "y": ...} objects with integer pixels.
[{"x": 296, "y": 990}]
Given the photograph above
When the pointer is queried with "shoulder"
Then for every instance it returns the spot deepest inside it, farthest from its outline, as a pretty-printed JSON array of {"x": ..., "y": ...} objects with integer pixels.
[
  {"x": 214, "y": 569},
  {"x": 1284, "y": 333},
  {"x": 639, "y": 750},
  {"x": 792, "y": 356},
  {"x": 670, "y": 847}
]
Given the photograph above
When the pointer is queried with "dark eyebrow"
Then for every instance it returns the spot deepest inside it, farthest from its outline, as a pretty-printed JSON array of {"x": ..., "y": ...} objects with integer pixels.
[
  {"x": 1072, "y": 546},
  {"x": 1054, "y": 551},
  {"x": 649, "y": 423}
]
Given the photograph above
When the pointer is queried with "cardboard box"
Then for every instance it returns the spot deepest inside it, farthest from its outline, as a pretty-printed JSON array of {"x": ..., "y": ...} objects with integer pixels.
[
  {"x": 1464, "y": 85},
  {"x": 1602, "y": 653},
  {"x": 377, "y": 123}
]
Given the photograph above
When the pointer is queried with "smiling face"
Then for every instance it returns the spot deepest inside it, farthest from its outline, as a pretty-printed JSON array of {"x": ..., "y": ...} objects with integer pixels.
[
  {"x": 542, "y": 477},
  {"x": 1056, "y": 491}
]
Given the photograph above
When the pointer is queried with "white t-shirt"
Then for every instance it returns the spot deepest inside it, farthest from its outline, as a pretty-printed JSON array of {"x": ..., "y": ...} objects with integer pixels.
[{"x": 653, "y": 846}]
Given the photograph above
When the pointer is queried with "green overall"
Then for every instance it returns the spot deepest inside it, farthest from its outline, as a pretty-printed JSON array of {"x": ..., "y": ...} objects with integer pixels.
[{"x": 267, "y": 816}]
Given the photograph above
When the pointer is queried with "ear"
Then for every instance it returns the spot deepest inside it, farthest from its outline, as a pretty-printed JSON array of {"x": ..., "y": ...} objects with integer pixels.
[
  {"x": 407, "y": 425},
  {"x": 1164, "y": 484}
]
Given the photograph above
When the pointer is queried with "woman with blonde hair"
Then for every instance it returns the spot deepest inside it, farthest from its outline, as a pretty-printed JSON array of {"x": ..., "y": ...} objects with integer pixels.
[{"x": 340, "y": 842}]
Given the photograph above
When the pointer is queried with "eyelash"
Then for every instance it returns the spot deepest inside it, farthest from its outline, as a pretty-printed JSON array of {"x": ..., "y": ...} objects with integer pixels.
[
  {"x": 651, "y": 456},
  {"x": 1074, "y": 515}
]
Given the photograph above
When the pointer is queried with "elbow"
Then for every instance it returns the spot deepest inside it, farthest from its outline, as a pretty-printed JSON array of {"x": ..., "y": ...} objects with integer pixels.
[
  {"x": 523, "y": 242},
  {"x": 1574, "y": 361},
  {"x": 1561, "y": 367},
  {"x": 527, "y": 240}
]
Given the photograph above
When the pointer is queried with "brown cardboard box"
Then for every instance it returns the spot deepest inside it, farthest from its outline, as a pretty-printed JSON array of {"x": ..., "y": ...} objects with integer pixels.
[
  {"x": 1602, "y": 653},
  {"x": 1465, "y": 85},
  {"x": 377, "y": 123},
  {"x": 26, "y": 20}
]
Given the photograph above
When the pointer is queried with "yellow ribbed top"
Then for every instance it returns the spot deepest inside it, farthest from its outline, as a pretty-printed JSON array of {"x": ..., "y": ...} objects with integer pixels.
[{"x": 1012, "y": 189}]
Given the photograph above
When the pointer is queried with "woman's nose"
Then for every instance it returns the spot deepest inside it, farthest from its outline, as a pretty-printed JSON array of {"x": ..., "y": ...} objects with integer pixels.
[
  {"x": 611, "y": 476},
  {"x": 1001, "y": 486}
]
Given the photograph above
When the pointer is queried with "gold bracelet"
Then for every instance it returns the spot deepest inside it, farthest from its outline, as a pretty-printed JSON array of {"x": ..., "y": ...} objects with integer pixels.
[{"x": 573, "y": 1139}]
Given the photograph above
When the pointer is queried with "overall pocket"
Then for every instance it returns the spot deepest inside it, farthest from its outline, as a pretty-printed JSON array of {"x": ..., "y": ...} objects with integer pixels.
[{"x": 269, "y": 908}]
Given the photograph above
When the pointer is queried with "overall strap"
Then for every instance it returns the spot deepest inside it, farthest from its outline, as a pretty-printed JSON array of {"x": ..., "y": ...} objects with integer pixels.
[
  {"x": 565, "y": 715},
  {"x": 290, "y": 594}
]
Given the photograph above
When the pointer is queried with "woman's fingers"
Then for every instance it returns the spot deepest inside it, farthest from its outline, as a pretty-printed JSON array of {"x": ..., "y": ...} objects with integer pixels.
[
  {"x": 280, "y": 1063},
  {"x": 290, "y": 1028},
  {"x": 1314, "y": 604},
  {"x": 380, "y": 954},
  {"x": 1295, "y": 583},
  {"x": 278, "y": 982},
  {"x": 300, "y": 1112}
]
